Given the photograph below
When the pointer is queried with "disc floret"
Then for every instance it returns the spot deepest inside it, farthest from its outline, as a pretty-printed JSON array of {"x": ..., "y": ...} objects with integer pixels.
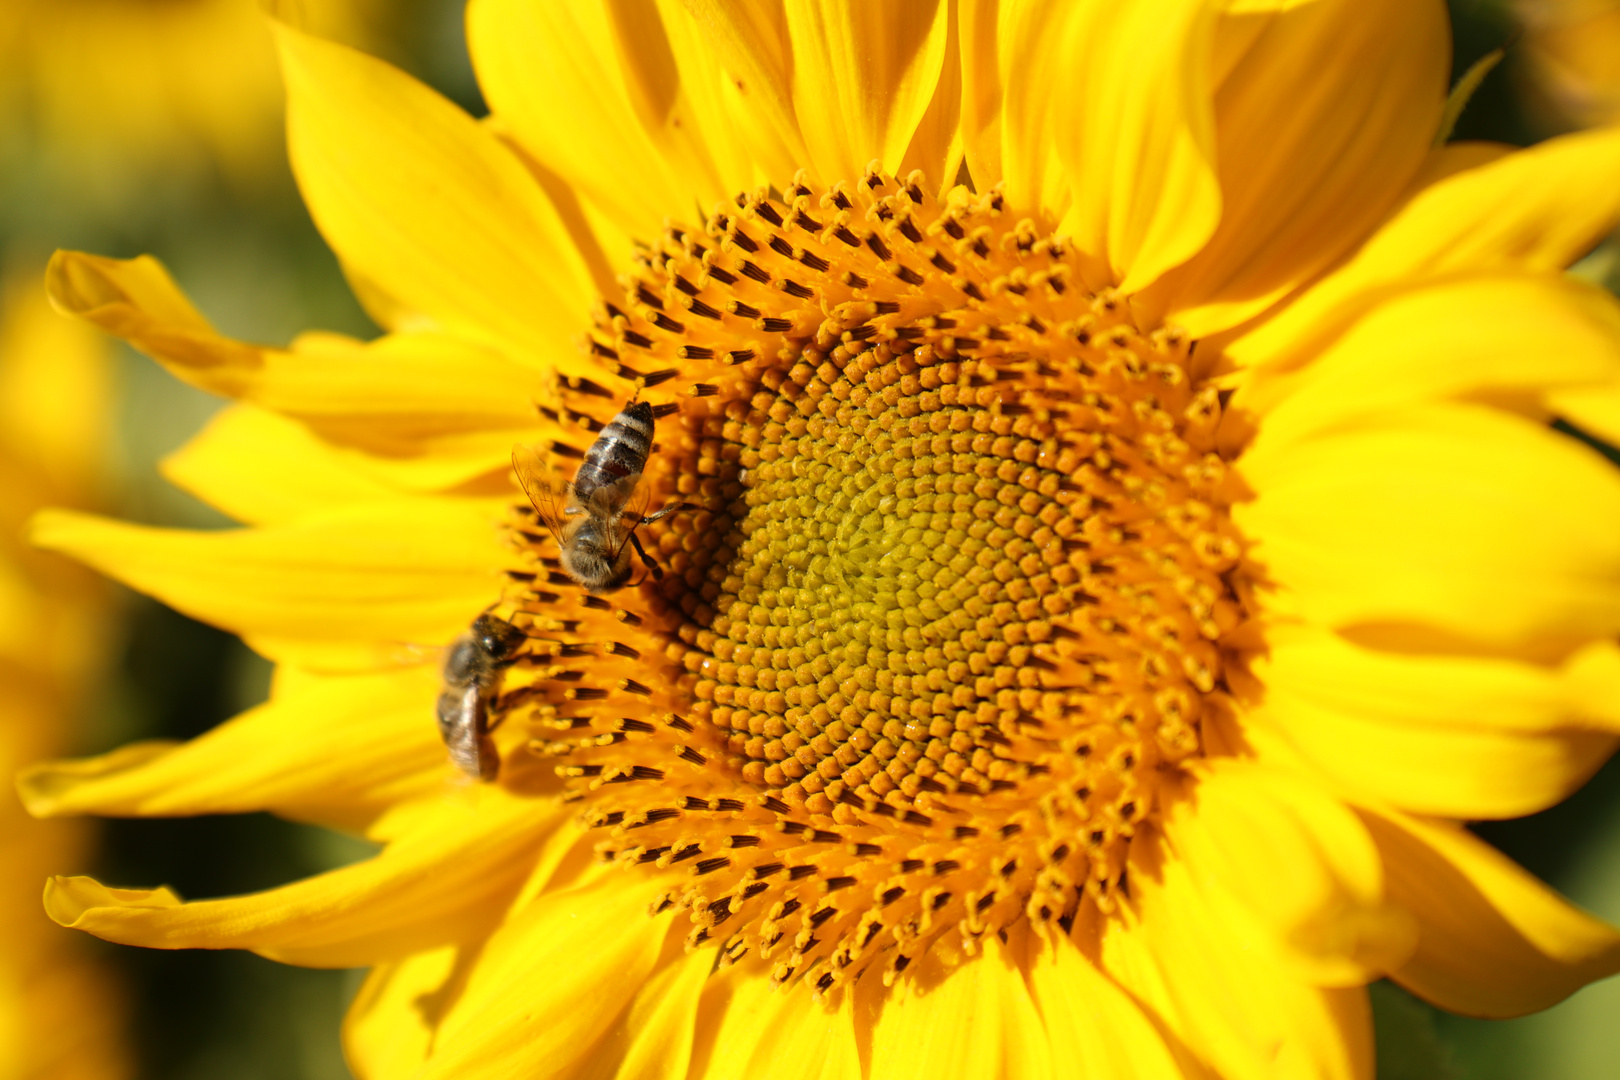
[{"x": 956, "y": 606}]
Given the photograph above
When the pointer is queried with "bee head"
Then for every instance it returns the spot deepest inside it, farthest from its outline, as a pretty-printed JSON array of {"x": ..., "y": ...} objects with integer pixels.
[
  {"x": 621, "y": 573},
  {"x": 597, "y": 563},
  {"x": 497, "y": 636}
]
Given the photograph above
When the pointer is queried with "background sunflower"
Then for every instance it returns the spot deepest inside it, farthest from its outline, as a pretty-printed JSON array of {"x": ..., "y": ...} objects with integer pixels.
[{"x": 208, "y": 191}]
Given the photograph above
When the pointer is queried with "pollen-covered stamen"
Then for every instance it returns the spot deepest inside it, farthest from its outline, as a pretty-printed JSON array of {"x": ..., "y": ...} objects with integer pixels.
[{"x": 952, "y": 609}]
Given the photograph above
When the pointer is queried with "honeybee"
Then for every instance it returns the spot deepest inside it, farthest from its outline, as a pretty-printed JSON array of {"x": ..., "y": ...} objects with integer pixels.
[
  {"x": 471, "y": 671},
  {"x": 601, "y": 509}
]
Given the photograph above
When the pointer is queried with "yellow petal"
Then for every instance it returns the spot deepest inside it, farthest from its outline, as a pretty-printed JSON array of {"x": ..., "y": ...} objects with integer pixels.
[
  {"x": 402, "y": 393},
  {"x": 1133, "y": 124},
  {"x": 1452, "y": 692},
  {"x": 427, "y": 205},
  {"x": 653, "y": 1037},
  {"x": 443, "y": 884},
  {"x": 1494, "y": 941},
  {"x": 1455, "y": 772},
  {"x": 1535, "y": 209},
  {"x": 977, "y": 1019},
  {"x": 1179, "y": 952},
  {"x": 745, "y": 152},
  {"x": 595, "y": 99},
  {"x": 1467, "y": 737},
  {"x": 1507, "y": 338},
  {"x": 978, "y": 25},
  {"x": 1449, "y": 520},
  {"x": 657, "y": 87},
  {"x": 863, "y": 76},
  {"x": 260, "y": 468},
  {"x": 1302, "y": 867},
  {"x": 137, "y": 300},
  {"x": 345, "y": 590},
  {"x": 749, "y": 41},
  {"x": 1322, "y": 119},
  {"x": 337, "y": 751},
  {"x": 398, "y": 395},
  {"x": 263, "y": 468},
  {"x": 750, "y": 1029},
  {"x": 936, "y": 146},
  {"x": 552, "y": 981},
  {"x": 1031, "y": 55},
  {"x": 389, "y": 1028},
  {"x": 1095, "y": 1027}
]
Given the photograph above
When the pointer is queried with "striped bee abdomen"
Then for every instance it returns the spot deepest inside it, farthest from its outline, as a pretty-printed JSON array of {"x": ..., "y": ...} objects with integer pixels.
[{"x": 619, "y": 451}]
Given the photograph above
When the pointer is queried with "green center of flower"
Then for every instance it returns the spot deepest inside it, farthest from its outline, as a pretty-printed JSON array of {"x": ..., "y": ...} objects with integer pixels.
[{"x": 952, "y": 606}]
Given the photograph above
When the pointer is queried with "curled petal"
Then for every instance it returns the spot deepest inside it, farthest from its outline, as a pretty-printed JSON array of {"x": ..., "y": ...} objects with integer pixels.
[
  {"x": 1493, "y": 941},
  {"x": 444, "y": 883},
  {"x": 338, "y": 751},
  {"x": 137, "y": 300},
  {"x": 401, "y": 395}
]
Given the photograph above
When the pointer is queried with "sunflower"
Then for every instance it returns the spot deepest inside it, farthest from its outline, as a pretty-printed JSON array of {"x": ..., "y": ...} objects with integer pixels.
[
  {"x": 1117, "y": 539},
  {"x": 95, "y": 94},
  {"x": 61, "y": 1012}
]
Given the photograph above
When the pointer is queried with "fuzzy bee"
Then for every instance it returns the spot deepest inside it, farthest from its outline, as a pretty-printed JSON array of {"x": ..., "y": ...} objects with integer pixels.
[
  {"x": 471, "y": 671},
  {"x": 595, "y": 517}
]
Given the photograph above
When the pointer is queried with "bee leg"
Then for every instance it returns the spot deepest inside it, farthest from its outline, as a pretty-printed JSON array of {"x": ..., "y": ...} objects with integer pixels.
[
  {"x": 507, "y": 701},
  {"x": 670, "y": 509},
  {"x": 657, "y": 571}
]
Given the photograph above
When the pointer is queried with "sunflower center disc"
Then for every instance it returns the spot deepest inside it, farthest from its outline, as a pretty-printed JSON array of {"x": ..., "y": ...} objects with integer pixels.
[{"x": 951, "y": 610}]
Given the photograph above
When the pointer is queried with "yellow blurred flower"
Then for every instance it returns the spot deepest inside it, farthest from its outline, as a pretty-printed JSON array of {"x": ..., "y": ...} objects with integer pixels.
[
  {"x": 101, "y": 93},
  {"x": 1113, "y": 583},
  {"x": 60, "y": 1016}
]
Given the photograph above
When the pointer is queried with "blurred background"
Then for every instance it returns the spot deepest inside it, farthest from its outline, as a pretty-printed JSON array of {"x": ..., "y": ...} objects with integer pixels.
[{"x": 154, "y": 126}]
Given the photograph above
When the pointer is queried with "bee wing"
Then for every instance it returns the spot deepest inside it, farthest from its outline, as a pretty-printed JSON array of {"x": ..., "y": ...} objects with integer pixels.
[
  {"x": 634, "y": 509},
  {"x": 546, "y": 492}
]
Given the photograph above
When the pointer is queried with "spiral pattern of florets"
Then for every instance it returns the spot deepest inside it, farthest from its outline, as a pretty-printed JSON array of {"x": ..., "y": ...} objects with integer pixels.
[{"x": 955, "y": 608}]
